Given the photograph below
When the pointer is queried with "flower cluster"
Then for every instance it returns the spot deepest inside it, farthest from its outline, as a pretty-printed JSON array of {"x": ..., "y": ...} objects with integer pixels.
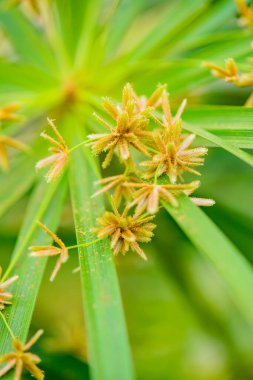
[
  {"x": 148, "y": 127},
  {"x": 232, "y": 75},
  {"x": 60, "y": 156},
  {"x": 20, "y": 359},
  {"x": 246, "y": 13},
  {"x": 49, "y": 250}
]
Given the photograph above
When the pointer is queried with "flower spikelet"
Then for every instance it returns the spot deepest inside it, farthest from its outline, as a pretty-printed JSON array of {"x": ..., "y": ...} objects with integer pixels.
[
  {"x": 60, "y": 155},
  {"x": 5, "y": 296},
  {"x": 246, "y": 13},
  {"x": 51, "y": 250},
  {"x": 126, "y": 231},
  {"x": 230, "y": 73},
  {"x": 174, "y": 155},
  {"x": 21, "y": 360},
  {"x": 147, "y": 196},
  {"x": 130, "y": 129}
]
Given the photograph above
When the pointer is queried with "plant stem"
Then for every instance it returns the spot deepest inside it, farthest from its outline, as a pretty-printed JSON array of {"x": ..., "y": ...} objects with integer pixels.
[
  {"x": 84, "y": 244},
  {"x": 40, "y": 211},
  {"x": 7, "y": 326},
  {"x": 78, "y": 145}
]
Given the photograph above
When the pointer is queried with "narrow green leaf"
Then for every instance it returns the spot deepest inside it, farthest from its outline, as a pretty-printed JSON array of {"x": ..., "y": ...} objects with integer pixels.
[
  {"x": 108, "y": 345},
  {"x": 46, "y": 205},
  {"x": 27, "y": 40},
  {"x": 209, "y": 21},
  {"x": 218, "y": 118},
  {"x": 87, "y": 35},
  {"x": 227, "y": 259},
  {"x": 169, "y": 26},
  {"x": 18, "y": 180},
  {"x": 244, "y": 156}
]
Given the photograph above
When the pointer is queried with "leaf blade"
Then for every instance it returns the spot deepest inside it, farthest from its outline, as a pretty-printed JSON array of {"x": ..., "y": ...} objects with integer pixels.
[
  {"x": 208, "y": 239},
  {"x": 105, "y": 322},
  {"x": 30, "y": 269}
]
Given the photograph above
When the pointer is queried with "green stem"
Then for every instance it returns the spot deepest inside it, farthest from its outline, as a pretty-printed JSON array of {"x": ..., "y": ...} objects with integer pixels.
[
  {"x": 84, "y": 244},
  {"x": 78, "y": 145},
  {"x": 7, "y": 326},
  {"x": 40, "y": 211},
  {"x": 156, "y": 174}
]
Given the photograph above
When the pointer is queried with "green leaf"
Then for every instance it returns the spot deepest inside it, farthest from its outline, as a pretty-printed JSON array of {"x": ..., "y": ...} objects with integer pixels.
[
  {"x": 45, "y": 205},
  {"x": 227, "y": 259},
  {"x": 86, "y": 38},
  {"x": 219, "y": 118},
  {"x": 27, "y": 41},
  {"x": 244, "y": 156},
  {"x": 206, "y": 24},
  {"x": 169, "y": 26},
  {"x": 108, "y": 345},
  {"x": 19, "y": 180}
]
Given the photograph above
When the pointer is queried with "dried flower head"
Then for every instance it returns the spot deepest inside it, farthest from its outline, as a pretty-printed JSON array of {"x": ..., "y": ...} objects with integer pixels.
[
  {"x": 6, "y": 143},
  {"x": 125, "y": 231},
  {"x": 50, "y": 250},
  {"x": 230, "y": 73},
  {"x": 173, "y": 155},
  {"x": 148, "y": 196},
  {"x": 120, "y": 185},
  {"x": 130, "y": 129},
  {"x": 5, "y": 296},
  {"x": 246, "y": 13},
  {"x": 60, "y": 155},
  {"x": 20, "y": 359},
  {"x": 7, "y": 113},
  {"x": 141, "y": 103}
]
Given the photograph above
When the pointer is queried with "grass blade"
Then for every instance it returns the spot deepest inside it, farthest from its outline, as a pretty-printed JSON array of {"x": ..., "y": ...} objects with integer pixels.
[
  {"x": 105, "y": 322},
  {"x": 46, "y": 205},
  {"x": 228, "y": 260},
  {"x": 19, "y": 180},
  {"x": 244, "y": 156},
  {"x": 18, "y": 29}
]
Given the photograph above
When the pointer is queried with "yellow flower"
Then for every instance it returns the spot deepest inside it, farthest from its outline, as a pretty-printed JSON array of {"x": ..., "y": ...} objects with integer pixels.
[
  {"x": 60, "y": 155},
  {"x": 50, "y": 250},
  {"x": 230, "y": 73},
  {"x": 131, "y": 126},
  {"x": 125, "y": 231},
  {"x": 246, "y": 13},
  {"x": 5, "y": 296},
  {"x": 129, "y": 131},
  {"x": 5, "y": 143},
  {"x": 20, "y": 359},
  {"x": 141, "y": 103},
  {"x": 148, "y": 196},
  {"x": 174, "y": 156}
]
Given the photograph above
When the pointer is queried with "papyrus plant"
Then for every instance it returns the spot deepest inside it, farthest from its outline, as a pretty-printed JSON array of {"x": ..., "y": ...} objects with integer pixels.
[{"x": 59, "y": 58}]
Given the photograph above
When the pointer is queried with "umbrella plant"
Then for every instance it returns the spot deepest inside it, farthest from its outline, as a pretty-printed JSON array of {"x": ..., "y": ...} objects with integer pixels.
[{"x": 125, "y": 96}]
